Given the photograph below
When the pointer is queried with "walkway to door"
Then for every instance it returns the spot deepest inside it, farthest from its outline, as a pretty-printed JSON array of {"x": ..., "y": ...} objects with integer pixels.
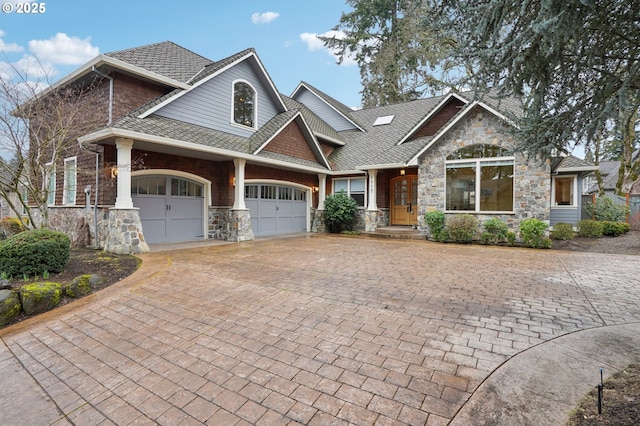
[{"x": 327, "y": 329}]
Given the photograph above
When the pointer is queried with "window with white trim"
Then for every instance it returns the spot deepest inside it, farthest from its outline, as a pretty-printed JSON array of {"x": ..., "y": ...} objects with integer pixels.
[
  {"x": 51, "y": 184},
  {"x": 70, "y": 176},
  {"x": 354, "y": 187},
  {"x": 479, "y": 178},
  {"x": 244, "y": 104},
  {"x": 564, "y": 191}
]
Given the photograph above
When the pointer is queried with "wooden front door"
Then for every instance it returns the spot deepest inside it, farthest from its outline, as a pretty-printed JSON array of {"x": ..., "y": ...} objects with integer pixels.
[{"x": 404, "y": 200}]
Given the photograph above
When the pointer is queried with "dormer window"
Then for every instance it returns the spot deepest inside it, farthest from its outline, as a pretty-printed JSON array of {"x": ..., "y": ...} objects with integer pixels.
[{"x": 244, "y": 104}]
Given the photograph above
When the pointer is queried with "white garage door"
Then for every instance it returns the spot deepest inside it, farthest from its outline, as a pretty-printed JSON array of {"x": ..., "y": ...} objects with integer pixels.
[
  {"x": 171, "y": 208},
  {"x": 276, "y": 209}
]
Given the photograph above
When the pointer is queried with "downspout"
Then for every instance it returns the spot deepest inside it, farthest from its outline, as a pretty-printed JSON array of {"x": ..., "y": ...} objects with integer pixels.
[{"x": 93, "y": 68}]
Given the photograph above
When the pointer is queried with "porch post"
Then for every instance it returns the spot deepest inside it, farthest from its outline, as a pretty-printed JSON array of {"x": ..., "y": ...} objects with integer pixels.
[
  {"x": 373, "y": 202},
  {"x": 322, "y": 190},
  {"x": 123, "y": 197},
  {"x": 371, "y": 214},
  {"x": 238, "y": 199}
]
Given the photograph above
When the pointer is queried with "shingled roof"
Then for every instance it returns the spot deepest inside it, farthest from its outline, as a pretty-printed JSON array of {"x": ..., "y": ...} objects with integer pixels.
[{"x": 166, "y": 58}]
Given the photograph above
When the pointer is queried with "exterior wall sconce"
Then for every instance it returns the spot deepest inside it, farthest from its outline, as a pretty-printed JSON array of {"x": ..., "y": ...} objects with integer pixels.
[
  {"x": 402, "y": 172},
  {"x": 232, "y": 181},
  {"x": 314, "y": 189},
  {"x": 114, "y": 172}
]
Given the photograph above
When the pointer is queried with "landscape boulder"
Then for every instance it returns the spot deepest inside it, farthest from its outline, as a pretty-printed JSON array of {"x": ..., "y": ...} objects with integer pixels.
[
  {"x": 9, "y": 306},
  {"x": 84, "y": 284},
  {"x": 40, "y": 297}
]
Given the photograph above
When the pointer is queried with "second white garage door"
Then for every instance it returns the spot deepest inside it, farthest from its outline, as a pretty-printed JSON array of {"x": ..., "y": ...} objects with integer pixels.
[{"x": 276, "y": 209}]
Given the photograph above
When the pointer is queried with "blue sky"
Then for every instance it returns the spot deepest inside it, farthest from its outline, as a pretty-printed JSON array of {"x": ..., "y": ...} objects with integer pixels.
[{"x": 70, "y": 32}]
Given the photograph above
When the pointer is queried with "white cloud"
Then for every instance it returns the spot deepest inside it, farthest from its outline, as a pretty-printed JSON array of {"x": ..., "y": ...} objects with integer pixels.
[
  {"x": 314, "y": 43},
  {"x": 64, "y": 50},
  {"x": 31, "y": 67},
  {"x": 11, "y": 47},
  {"x": 264, "y": 18}
]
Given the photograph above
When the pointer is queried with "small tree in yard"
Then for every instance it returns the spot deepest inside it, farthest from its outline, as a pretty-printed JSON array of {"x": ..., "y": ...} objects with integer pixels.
[
  {"x": 340, "y": 210},
  {"x": 39, "y": 126}
]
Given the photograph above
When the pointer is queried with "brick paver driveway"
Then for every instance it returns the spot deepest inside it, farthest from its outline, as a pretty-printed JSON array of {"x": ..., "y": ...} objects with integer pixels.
[{"x": 315, "y": 330}]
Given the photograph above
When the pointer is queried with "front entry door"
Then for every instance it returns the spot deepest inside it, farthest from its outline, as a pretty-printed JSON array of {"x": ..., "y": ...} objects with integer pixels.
[{"x": 404, "y": 200}]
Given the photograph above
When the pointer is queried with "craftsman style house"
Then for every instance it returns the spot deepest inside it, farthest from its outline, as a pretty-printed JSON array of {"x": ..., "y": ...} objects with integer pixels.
[{"x": 189, "y": 148}]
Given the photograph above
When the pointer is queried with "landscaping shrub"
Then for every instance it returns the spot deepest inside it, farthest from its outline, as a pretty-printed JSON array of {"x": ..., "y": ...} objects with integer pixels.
[
  {"x": 10, "y": 226},
  {"x": 562, "y": 231},
  {"x": 495, "y": 231},
  {"x": 605, "y": 209},
  {"x": 462, "y": 228},
  {"x": 532, "y": 231},
  {"x": 511, "y": 238},
  {"x": 590, "y": 228},
  {"x": 340, "y": 210},
  {"x": 613, "y": 229},
  {"x": 435, "y": 220},
  {"x": 34, "y": 252}
]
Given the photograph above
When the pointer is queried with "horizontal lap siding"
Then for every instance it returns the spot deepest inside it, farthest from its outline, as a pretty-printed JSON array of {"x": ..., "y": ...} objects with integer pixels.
[
  {"x": 324, "y": 111},
  {"x": 209, "y": 105}
]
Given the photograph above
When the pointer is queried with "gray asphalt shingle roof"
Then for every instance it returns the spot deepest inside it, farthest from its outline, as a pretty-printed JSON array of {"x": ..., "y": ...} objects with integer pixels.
[
  {"x": 374, "y": 145},
  {"x": 166, "y": 58}
]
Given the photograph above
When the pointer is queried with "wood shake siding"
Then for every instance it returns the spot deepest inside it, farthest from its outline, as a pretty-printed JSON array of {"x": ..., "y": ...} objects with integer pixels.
[
  {"x": 441, "y": 118},
  {"x": 290, "y": 141}
]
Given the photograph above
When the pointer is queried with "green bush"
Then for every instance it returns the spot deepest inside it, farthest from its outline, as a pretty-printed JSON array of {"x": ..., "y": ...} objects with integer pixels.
[
  {"x": 34, "y": 252},
  {"x": 533, "y": 235},
  {"x": 562, "y": 231},
  {"x": 462, "y": 228},
  {"x": 495, "y": 231},
  {"x": 604, "y": 209},
  {"x": 590, "y": 228},
  {"x": 435, "y": 220},
  {"x": 511, "y": 238},
  {"x": 340, "y": 210},
  {"x": 613, "y": 229}
]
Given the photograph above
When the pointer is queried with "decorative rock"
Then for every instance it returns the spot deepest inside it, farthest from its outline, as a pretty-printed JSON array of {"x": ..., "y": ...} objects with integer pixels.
[
  {"x": 40, "y": 297},
  {"x": 84, "y": 284},
  {"x": 9, "y": 306}
]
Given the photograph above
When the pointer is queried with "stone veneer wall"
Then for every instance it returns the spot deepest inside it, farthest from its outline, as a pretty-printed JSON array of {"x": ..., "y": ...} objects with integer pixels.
[
  {"x": 532, "y": 181},
  {"x": 125, "y": 232},
  {"x": 217, "y": 222},
  {"x": 79, "y": 224},
  {"x": 239, "y": 226}
]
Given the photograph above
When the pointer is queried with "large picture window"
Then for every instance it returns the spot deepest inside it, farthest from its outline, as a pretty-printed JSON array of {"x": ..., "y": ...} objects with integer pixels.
[
  {"x": 244, "y": 98},
  {"x": 354, "y": 187},
  {"x": 479, "y": 178}
]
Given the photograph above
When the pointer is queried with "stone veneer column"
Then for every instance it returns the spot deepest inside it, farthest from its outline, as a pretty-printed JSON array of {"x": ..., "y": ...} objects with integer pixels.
[
  {"x": 239, "y": 223},
  {"x": 124, "y": 232},
  {"x": 371, "y": 214}
]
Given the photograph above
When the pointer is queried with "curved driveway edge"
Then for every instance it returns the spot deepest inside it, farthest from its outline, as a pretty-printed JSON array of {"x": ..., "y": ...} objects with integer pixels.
[
  {"x": 317, "y": 330},
  {"x": 541, "y": 385}
]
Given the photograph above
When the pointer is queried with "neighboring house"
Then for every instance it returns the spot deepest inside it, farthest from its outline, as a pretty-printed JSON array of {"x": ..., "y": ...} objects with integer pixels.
[
  {"x": 609, "y": 171},
  {"x": 193, "y": 149}
]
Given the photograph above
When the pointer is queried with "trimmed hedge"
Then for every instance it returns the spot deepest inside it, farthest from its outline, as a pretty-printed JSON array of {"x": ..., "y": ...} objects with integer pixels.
[
  {"x": 613, "y": 229},
  {"x": 562, "y": 231},
  {"x": 462, "y": 228},
  {"x": 590, "y": 228},
  {"x": 34, "y": 252}
]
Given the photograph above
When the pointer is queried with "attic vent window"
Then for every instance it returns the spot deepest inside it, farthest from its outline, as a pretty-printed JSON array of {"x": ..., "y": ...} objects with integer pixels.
[{"x": 381, "y": 121}]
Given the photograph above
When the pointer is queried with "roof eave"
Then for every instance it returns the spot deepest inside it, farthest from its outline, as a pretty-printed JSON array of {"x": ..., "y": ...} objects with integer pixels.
[{"x": 112, "y": 132}]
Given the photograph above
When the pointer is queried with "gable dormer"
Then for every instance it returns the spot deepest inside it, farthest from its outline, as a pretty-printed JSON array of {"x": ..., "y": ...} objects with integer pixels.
[
  {"x": 234, "y": 95},
  {"x": 334, "y": 113}
]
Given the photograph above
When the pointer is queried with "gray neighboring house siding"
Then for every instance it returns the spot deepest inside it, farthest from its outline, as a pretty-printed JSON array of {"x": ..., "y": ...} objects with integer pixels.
[
  {"x": 209, "y": 105},
  {"x": 532, "y": 190},
  {"x": 324, "y": 111}
]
